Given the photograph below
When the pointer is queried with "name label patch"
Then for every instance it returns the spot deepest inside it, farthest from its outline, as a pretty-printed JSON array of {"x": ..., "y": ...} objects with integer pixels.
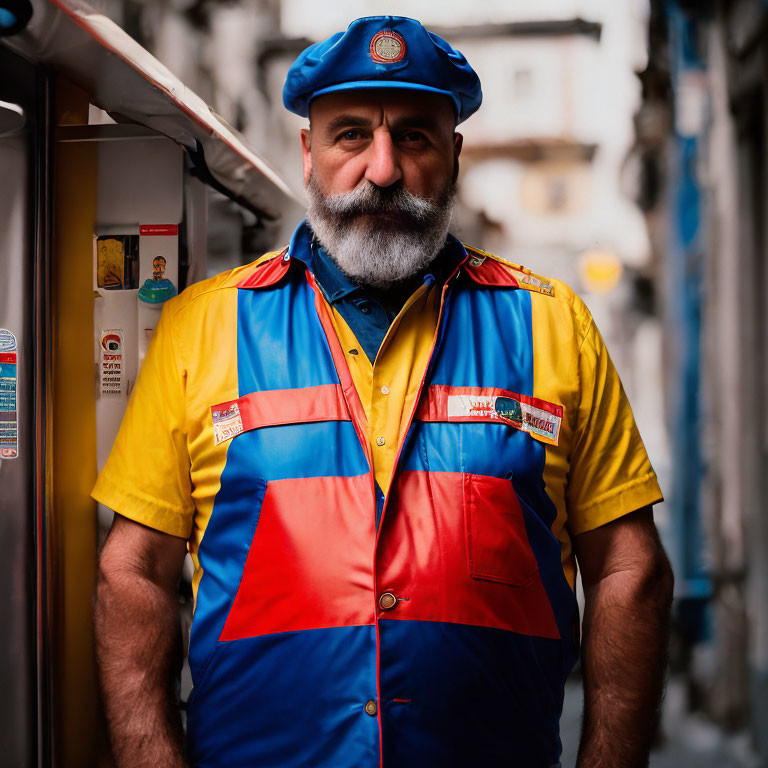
[
  {"x": 527, "y": 414},
  {"x": 227, "y": 422}
]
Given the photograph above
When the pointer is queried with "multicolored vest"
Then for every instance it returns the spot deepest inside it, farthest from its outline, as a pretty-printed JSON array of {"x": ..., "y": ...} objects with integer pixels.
[{"x": 440, "y": 639}]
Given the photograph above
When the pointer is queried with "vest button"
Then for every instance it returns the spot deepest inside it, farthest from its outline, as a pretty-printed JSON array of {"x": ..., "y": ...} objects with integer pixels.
[
  {"x": 387, "y": 601},
  {"x": 370, "y": 708}
]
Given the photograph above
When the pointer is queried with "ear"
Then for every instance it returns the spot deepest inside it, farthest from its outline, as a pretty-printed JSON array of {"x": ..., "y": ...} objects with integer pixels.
[
  {"x": 306, "y": 155},
  {"x": 458, "y": 142}
]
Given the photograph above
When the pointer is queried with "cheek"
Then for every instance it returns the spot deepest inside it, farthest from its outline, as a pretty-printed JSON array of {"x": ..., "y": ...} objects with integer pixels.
[
  {"x": 335, "y": 175},
  {"x": 427, "y": 179}
]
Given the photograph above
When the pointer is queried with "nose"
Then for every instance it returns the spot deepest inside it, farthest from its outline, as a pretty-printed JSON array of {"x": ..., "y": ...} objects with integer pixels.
[{"x": 383, "y": 167}]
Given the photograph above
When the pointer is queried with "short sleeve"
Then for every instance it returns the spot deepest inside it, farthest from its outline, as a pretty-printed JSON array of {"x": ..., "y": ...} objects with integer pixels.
[
  {"x": 610, "y": 474},
  {"x": 147, "y": 475}
]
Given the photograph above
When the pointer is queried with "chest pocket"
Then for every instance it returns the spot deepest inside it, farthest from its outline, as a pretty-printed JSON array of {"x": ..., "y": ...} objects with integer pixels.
[
  {"x": 495, "y": 535},
  {"x": 486, "y": 435}
]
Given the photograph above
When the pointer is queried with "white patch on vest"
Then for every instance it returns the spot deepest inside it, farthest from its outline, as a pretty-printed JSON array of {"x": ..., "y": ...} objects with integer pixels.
[
  {"x": 540, "y": 422},
  {"x": 227, "y": 422},
  {"x": 527, "y": 417}
]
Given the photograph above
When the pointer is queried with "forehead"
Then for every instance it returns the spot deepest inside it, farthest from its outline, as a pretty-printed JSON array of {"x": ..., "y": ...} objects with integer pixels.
[{"x": 390, "y": 103}]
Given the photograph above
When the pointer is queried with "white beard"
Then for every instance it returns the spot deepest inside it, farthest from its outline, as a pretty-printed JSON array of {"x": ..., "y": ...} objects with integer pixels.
[{"x": 380, "y": 251}]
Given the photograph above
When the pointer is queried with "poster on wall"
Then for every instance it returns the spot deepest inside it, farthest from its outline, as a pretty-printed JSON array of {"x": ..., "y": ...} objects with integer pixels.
[
  {"x": 117, "y": 262},
  {"x": 159, "y": 253},
  {"x": 9, "y": 418},
  {"x": 112, "y": 365}
]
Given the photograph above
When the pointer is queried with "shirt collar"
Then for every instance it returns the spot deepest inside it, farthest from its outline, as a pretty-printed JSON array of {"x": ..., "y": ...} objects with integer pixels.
[{"x": 336, "y": 285}]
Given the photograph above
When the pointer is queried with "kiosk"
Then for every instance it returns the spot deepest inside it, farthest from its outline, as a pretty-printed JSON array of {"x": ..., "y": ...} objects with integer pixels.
[{"x": 107, "y": 163}]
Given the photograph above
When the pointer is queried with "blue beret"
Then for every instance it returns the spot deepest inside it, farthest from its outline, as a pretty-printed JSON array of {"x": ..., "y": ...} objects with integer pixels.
[{"x": 382, "y": 52}]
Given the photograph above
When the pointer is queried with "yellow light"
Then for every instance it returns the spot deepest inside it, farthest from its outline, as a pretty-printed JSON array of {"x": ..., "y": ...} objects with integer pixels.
[{"x": 600, "y": 271}]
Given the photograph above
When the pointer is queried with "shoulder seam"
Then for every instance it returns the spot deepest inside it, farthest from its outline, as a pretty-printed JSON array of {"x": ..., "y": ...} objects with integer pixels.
[{"x": 263, "y": 259}]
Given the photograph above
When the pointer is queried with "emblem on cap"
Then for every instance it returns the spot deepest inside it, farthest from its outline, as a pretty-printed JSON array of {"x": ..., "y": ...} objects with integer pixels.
[{"x": 387, "y": 47}]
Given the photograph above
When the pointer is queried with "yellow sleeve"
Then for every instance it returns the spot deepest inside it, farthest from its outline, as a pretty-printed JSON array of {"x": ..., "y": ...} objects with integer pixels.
[
  {"x": 609, "y": 474},
  {"x": 146, "y": 477}
]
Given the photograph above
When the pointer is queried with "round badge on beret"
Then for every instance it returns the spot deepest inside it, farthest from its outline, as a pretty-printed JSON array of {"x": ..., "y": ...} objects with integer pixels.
[{"x": 387, "y": 47}]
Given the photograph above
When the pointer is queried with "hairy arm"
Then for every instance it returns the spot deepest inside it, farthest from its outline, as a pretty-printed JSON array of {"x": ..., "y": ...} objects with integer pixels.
[
  {"x": 138, "y": 643},
  {"x": 628, "y": 591}
]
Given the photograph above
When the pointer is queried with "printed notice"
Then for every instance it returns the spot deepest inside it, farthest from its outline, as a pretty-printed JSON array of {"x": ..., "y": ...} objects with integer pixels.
[
  {"x": 112, "y": 364},
  {"x": 9, "y": 422}
]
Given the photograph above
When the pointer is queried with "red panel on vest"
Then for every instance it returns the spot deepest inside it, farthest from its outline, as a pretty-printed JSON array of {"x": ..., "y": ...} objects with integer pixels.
[
  {"x": 310, "y": 561},
  {"x": 450, "y": 527}
]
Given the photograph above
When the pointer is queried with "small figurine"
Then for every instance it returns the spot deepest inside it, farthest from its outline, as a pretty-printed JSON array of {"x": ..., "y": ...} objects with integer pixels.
[{"x": 159, "y": 288}]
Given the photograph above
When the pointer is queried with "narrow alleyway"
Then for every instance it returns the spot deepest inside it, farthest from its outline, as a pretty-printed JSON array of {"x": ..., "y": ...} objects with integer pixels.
[{"x": 689, "y": 741}]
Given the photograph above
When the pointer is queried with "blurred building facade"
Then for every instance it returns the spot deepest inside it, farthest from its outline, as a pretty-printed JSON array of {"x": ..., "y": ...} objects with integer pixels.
[{"x": 702, "y": 139}]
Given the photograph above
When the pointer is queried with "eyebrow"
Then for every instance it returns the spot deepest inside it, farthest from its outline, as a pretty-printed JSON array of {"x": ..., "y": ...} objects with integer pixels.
[
  {"x": 424, "y": 122},
  {"x": 347, "y": 121}
]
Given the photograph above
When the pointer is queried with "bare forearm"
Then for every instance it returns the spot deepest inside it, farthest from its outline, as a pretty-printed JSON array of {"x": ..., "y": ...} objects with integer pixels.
[
  {"x": 626, "y": 625},
  {"x": 138, "y": 646}
]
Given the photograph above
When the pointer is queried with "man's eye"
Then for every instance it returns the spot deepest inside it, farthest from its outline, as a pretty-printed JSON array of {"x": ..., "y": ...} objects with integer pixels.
[
  {"x": 413, "y": 137},
  {"x": 350, "y": 135}
]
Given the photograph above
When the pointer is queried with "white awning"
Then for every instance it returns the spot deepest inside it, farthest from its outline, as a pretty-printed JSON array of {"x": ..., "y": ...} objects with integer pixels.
[{"x": 126, "y": 81}]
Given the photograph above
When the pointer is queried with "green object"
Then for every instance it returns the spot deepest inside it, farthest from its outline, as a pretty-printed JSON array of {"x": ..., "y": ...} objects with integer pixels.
[{"x": 156, "y": 291}]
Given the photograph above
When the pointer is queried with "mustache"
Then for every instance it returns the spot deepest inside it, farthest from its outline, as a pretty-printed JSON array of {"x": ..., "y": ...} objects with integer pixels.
[{"x": 370, "y": 199}]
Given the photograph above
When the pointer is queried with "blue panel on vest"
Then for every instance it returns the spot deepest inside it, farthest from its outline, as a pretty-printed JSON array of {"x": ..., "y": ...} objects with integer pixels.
[
  {"x": 280, "y": 341},
  {"x": 468, "y": 696},
  {"x": 471, "y": 355},
  {"x": 319, "y": 449},
  {"x": 481, "y": 448},
  {"x": 288, "y": 700},
  {"x": 380, "y": 498},
  {"x": 228, "y": 539},
  {"x": 539, "y": 513}
]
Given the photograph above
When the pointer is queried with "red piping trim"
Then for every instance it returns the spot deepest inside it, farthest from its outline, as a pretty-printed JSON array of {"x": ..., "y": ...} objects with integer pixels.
[
  {"x": 361, "y": 427},
  {"x": 386, "y": 502}
]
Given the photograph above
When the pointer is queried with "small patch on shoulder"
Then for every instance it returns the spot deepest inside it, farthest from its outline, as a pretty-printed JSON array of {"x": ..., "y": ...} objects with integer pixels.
[{"x": 533, "y": 283}]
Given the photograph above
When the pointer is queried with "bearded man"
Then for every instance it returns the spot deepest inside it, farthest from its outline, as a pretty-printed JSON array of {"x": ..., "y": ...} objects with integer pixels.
[{"x": 383, "y": 449}]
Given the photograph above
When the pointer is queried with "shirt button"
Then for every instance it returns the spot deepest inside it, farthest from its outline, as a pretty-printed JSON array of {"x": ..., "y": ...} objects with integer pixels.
[
  {"x": 385, "y": 390},
  {"x": 380, "y": 441},
  {"x": 387, "y": 601},
  {"x": 371, "y": 708}
]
